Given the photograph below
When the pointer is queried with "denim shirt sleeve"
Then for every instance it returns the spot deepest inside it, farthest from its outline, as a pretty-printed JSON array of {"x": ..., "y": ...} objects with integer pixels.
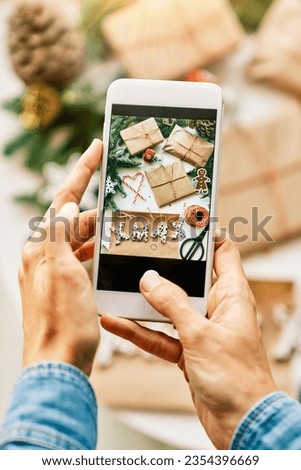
[
  {"x": 53, "y": 407},
  {"x": 272, "y": 424}
]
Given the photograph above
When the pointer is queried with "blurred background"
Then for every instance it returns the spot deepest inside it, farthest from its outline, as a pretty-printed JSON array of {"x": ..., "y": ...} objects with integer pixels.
[{"x": 57, "y": 61}]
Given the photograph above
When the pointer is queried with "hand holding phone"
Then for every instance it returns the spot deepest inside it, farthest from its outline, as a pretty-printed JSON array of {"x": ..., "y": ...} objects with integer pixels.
[{"x": 158, "y": 196}]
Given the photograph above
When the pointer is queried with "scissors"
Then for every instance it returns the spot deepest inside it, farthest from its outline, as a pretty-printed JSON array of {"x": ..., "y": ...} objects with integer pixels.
[{"x": 192, "y": 246}]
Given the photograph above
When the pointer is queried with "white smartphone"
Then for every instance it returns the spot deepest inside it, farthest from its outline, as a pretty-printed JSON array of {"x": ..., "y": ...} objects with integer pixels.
[{"x": 158, "y": 192}]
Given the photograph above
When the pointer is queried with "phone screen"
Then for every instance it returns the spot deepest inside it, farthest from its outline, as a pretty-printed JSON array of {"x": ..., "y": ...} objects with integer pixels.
[{"x": 157, "y": 201}]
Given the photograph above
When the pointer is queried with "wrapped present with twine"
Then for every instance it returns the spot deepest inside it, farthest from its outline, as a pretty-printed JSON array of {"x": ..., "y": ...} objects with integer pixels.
[
  {"x": 260, "y": 178},
  {"x": 141, "y": 136},
  {"x": 277, "y": 58},
  {"x": 165, "y": 39},
  {"x": 188, "y": 147},
  {"x": 169, "y": 183}
]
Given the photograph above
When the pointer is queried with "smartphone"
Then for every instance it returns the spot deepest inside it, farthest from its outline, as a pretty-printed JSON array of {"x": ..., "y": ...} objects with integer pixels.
[{"x": 158, "y": 192}]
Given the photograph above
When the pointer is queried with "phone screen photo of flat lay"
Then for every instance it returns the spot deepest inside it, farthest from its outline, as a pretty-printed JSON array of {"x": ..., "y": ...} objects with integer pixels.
[{"x": 157, "y": 201}]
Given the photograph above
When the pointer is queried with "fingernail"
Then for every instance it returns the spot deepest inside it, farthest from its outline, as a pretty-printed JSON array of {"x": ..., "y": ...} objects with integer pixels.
[
  {"x": 95, "y": 141},
  {"x": 150, "y": 280},
  {"x": 220, "y": 235}
]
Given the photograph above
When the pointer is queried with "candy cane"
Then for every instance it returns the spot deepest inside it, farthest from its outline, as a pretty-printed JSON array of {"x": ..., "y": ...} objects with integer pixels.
[{"x": 137, "y": 192}]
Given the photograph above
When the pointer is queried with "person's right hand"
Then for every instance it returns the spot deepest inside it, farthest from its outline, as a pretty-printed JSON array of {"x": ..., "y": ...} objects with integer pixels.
[{"x": 222, "y": 357}]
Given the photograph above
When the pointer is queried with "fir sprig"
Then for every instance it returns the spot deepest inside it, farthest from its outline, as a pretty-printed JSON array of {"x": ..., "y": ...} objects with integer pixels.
[
  {"x": 209, "y": 165},
  {"x": 119, "y": 157},
  {"x": 79, "y": 122}
]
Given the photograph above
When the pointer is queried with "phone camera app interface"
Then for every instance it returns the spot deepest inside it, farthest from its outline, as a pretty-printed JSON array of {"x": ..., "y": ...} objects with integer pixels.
[{"x": 157, "y": 196}]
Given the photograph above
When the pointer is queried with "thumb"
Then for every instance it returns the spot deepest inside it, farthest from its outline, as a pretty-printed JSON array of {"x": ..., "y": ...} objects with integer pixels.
[
  {"x": 169, "y": 300},
  {"x": 227, "y": 259}
]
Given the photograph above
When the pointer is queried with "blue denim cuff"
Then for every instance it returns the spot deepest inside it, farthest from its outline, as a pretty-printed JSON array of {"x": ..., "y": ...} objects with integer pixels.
[
  {"x": 273, "y": 423},
  {"x": 53, "y": 406}
]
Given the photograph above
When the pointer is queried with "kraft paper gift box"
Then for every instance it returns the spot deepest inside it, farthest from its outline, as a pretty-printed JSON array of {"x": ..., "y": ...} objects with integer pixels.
[
  {"x": 277, "y": 58},
  {"x": 261, "y": 168},
  {"x": 141, "y": 136},
  {"x": 165, "y": 39},
  {"x": 169, "y": 183},
  {"x": 188, "y": 147}
]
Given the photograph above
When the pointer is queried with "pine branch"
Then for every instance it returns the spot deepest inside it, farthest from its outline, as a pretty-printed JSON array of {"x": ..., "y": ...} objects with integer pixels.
[
  {"x": 14, "y": 105},
  {"x": 123, "y": 163},
  {"x": 31, "y": 200},
  {"x": 251, "y": 12},
  {"x": 36, "y": 151},
  {"x": 111, "y": 205},
  {"x": 17, "y": 143}
]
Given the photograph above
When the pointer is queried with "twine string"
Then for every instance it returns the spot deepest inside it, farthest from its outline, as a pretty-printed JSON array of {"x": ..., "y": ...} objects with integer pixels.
[
  {"x": 271, "y": 175},
  {"x": 189, "y": 149},
  {"x": 144, "y": 133},
  {"x": 171, "y": 179}
]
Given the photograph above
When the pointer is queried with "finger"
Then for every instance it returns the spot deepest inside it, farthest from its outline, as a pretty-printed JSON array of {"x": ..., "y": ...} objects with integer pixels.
[
  {"x": 153, "y": 342},
  {"x": 227, "y": 260},
  {"x": 84, "y": 229},
  {"x": 59, "y": 230},
  {"x": 85, "y": 252},
  {"x": 169, "y": 300},
  {"x": 230, "y": 296},
  {"x": 79, "y": 178}
]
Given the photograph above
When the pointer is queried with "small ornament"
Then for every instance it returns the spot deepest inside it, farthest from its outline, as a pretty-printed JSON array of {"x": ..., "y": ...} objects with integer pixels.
[
  {"x": 179, "y": 231},
  {"x": 41, "y": 106},
  {"x": 120, "y": 235},
  {"x": 206, "y": 128},
  {"x": 139, "y": 234},
  {"x": 149, "y": 155},
  {"x": 137, "y": 176},
  {"x": 201, "y": 181},
  {"x": 110, "y": 186},
  {"x": 201, "y": 75},
  {"x": 168, "y": 121},
  {"x": 196, "y": 216},
  {"x": 161, "y": 233}
]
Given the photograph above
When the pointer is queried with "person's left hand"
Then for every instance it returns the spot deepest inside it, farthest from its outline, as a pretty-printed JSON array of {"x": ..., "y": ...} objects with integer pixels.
[{"x": 60, "y": 319}]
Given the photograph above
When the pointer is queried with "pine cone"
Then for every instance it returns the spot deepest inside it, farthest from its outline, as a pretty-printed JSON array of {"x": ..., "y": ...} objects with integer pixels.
[
  {"x": 44, "y": 43},
  {"x": 206, "y": 128}
]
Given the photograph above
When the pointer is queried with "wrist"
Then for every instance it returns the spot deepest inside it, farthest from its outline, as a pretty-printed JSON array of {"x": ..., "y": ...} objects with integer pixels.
[
  {"x": 81, "y": 359},
  {"x": 256, "y": 428},
  {"x": 228, "y": 416}
]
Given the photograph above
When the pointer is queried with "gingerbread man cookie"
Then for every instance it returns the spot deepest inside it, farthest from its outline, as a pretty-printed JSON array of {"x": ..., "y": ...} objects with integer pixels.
[{"x": 201, "y": 181}]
